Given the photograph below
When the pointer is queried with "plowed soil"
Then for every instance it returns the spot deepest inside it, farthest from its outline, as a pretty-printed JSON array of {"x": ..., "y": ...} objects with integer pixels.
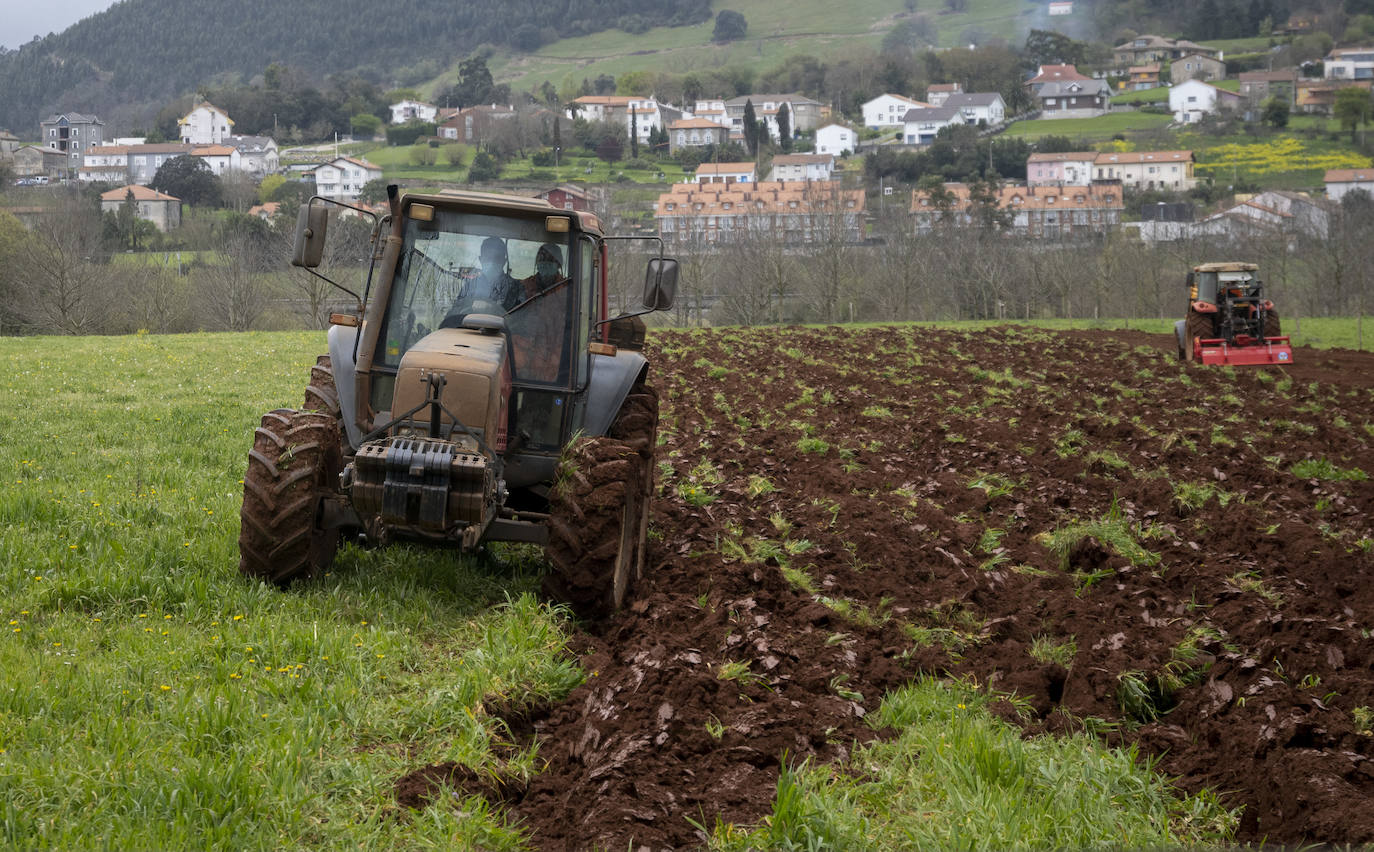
[{"x": 947, "y": 458}]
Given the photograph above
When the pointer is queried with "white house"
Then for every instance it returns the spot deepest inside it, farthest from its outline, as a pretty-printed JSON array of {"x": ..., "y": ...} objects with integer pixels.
[
  {"x": 836, "y": 140},
  {"x": 1072, "y": 168},
  {"x": 803, "y": 167},
  {"x": 1350, "y": 63},
  {"x": 207, "y": 124},
  {"x": 105, "y": 164},
  {"x": 343, "y": 178},
  {"x": 724, "y": 173},
  {"x": 257, "y": 154},
  {"x": 919, "y": 126},
  {"x": 888, "y": 110},
  {"x": 979, "y": 107},
  {"x": 1341, "y": 181},
  {"x": 220, "y": 158},
  {"x": 1191, "y": 100},
  {"x": 1147, "y": 169},
  {"x": 408, "y": 110},
  {"x": 647, "y": 113},
  {"x": 712, "y": 109}
]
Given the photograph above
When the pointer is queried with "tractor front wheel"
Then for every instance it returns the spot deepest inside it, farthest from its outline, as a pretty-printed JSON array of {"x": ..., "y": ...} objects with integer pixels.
[
  {"x": 293, "y": 467},
  {"x": 599, "y": 511}
]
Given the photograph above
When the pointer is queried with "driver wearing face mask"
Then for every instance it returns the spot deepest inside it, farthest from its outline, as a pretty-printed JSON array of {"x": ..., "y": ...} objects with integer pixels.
[{"x": 548, "y": 270}]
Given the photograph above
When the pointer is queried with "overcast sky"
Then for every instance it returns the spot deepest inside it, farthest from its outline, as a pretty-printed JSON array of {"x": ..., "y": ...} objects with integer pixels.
[{"x": 23, "y": 19}]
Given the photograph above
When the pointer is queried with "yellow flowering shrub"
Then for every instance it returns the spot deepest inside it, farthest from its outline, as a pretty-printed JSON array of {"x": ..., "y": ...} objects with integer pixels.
[{"x": 1286, "y": 154}]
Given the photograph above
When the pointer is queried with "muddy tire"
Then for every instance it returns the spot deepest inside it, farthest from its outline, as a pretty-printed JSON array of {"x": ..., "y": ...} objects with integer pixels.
[
  {"x": 638, "y": 425},
  {"x": 322, "y": 394},
  {"x": 599, "y": 511},
  {"x": 1199, "y": 325},
  {"x": 294, "y": 465},
  {"x": 1272, "y": 328}
]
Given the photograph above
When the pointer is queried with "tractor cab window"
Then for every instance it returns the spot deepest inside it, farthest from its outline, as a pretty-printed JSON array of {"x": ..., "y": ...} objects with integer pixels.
[{"x": 461, "y": 263}]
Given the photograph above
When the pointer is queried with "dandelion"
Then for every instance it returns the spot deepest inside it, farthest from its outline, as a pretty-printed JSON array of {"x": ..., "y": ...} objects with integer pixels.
[
  {"x": 235, "y": 676},
  {"x": 165, "y": 688},
  {"x": 238, "y": 618}
]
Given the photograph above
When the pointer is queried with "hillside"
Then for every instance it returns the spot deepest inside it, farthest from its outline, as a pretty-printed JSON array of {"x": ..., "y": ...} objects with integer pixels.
[{"x": 125, "y": 62}]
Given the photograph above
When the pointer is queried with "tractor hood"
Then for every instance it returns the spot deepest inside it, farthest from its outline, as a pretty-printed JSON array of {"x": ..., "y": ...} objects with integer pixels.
[{"x": 476, "y": 388}]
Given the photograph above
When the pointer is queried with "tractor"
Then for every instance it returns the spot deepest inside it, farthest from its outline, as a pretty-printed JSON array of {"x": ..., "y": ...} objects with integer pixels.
[
  {"x": 478, "y": 391},
  {"x": 1229, "y": 321}
]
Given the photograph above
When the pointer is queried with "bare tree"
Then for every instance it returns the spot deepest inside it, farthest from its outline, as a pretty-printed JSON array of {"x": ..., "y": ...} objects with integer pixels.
[
  {"x": 235, "y": 289},
  {"x": 60, "y": 271},
  {"x": 754, "y": 276}
]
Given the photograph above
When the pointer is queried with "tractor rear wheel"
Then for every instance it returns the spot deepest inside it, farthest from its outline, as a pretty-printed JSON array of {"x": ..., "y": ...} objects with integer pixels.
[
  {"x": 1271, "y": 324},
  {"x": 293, "y": 467},
  {"x": 1199, "y": 325},
  {"x": 599, "y": 511}
]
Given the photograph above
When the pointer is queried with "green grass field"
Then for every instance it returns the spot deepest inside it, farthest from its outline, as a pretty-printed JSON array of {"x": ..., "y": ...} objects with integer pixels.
[
  {"x": 157, "y": 700},
  {"x": 803, "y": 28},
  {"x": 1101, "y": 128}
]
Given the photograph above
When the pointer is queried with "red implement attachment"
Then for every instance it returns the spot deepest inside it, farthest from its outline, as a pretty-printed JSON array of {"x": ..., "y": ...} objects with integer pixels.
[{"x": 1246, "y": 351}]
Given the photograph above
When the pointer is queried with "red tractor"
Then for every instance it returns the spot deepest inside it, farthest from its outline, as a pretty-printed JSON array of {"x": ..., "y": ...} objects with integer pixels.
[{"x": 1229, "y": 321}]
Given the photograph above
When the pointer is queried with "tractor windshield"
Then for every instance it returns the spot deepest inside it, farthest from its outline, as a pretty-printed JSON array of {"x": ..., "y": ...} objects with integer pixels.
[{"x": 470, "y": 263}]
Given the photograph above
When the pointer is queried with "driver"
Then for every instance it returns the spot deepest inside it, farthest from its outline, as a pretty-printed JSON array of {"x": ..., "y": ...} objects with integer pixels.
[
  {"x": 548, "y": 270},
  {"x": 539, "y": 329},
  {"x": 494, "y": 283}
]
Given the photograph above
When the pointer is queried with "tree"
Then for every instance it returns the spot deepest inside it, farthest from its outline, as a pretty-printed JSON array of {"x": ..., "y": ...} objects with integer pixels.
[
  {"x": 634, "y": 134},
  {"x": 373, "y": 192},
  {"x": 189, "y": 179},
  {"x": 484, "y": 168},
  {"x": 611, "y": 148},
  {"x": 751, "y": 128},
  {"x": 1352, "y": 108},
  {"x": 1275, "y": 113},
  {"x": 365, "y": 124},
  {"x": 235, "y": 288},
  {"x": 730, "y": 26},
  {"x": 474, "y": 86},
  {"x": 785, "y": 127},
  {"x": 60, "y": 272}
]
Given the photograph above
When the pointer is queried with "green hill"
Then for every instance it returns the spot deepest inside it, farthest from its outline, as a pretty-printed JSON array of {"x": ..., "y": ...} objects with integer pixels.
[{"x": 140, "y": 53}]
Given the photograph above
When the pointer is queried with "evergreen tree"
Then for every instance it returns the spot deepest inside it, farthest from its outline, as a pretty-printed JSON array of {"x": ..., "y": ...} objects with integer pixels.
[
  {"x": 634, "y": 134},
  {"x": 785, "y": 127},
  {"x": 751, "y": 128}
]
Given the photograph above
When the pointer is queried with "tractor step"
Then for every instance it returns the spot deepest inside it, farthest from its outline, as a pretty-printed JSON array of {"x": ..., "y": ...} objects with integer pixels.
[{"x": 1245, "y": 352}]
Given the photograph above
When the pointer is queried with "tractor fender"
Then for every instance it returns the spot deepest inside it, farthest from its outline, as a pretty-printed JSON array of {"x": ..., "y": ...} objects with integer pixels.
[
  {"x": 1204, "y": 307},
  {"x": 341, "y": 342},
  {"x": 612, "y": 377}
]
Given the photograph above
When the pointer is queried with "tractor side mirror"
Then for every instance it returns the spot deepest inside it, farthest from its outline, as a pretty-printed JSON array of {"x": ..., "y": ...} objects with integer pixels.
[
  {"x": 311, "y": 224},
  {"x": 660, "y": 283}
]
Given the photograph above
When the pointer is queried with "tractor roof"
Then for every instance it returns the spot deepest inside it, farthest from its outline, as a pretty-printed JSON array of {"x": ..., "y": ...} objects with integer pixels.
[
  {"x": 510, "y": 202},
  {"x": 1229, "y": 266}
]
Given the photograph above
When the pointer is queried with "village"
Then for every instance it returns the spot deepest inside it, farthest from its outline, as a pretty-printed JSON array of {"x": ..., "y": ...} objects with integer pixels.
[{"x": 1064, "y": 195}]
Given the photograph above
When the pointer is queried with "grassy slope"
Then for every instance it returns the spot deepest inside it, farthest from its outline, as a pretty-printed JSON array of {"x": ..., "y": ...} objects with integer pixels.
[
  {"x": 155, "y": 700},
  {"x": 819, "y": 28}
]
